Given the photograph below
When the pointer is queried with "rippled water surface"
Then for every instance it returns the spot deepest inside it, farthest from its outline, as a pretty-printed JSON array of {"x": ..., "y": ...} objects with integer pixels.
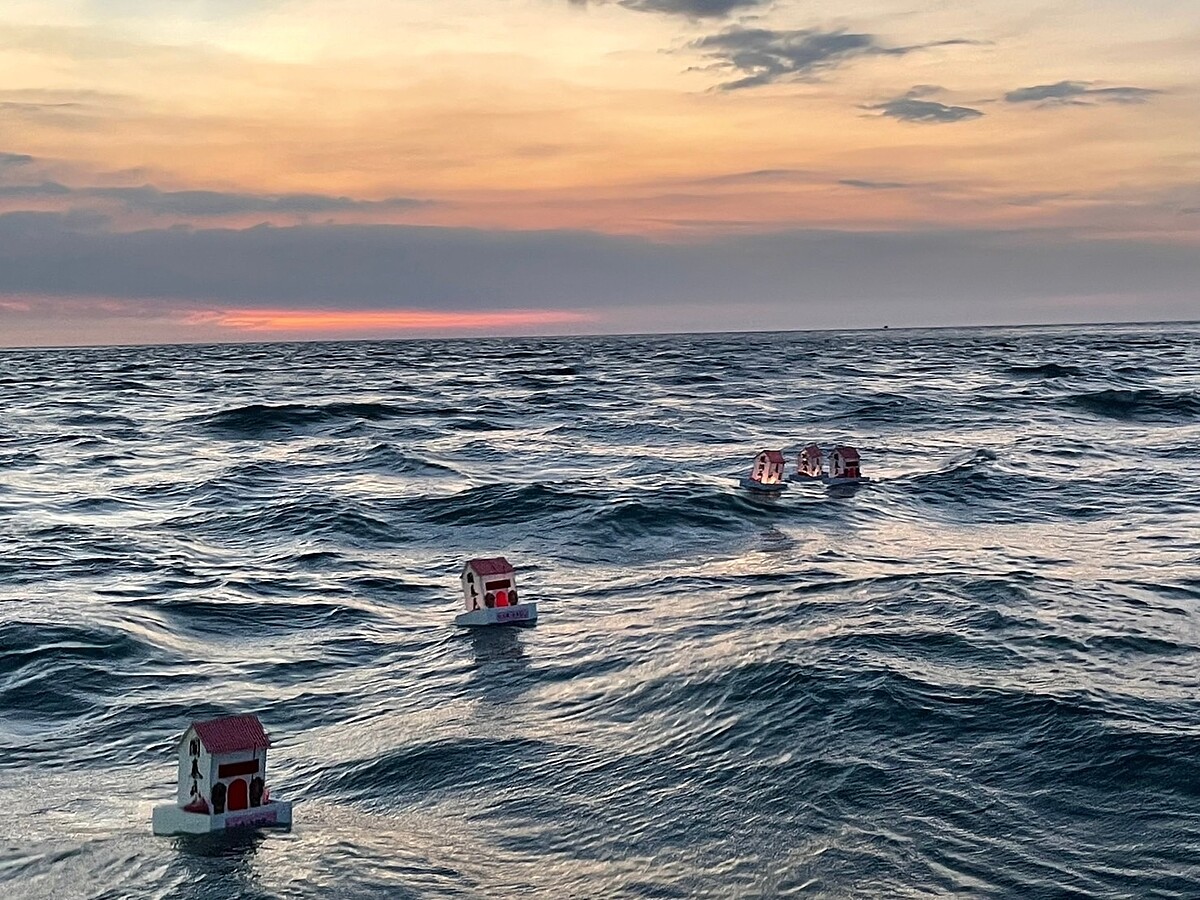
[{"x": 977, "y": 675}]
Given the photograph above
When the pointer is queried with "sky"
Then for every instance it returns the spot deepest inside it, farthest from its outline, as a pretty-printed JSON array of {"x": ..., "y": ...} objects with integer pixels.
[{"x": 209, "y": 170}]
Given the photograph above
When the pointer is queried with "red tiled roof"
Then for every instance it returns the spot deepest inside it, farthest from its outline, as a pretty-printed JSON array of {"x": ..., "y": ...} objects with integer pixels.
[
  {"x": 231, "y": 734},
  {"x": 847, "y": 453},
  {"x": 497, "y": 565},
  {"x": 775, "y": 456}
]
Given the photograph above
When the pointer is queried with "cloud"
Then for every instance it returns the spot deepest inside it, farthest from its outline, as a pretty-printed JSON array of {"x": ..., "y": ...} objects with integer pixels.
[
  {"x": 944, "y": 275},
  {"x": 14, "y": 159},
  {"x": 49, "y": 110},
  {"x": 766, "y": 56},
  {"x": 693, "y": 9},
  {"x": 43, "y": 191},
  {"x": 873, "y": 185},
  {"x": 758, "y": 176},
  {"x": 200, "y": 204},
  {"x": 915, "y": 106},
  {"x": 220, "y": 203},
  {"x": 36, "y": 224},
  {"x": 910, "y": 108},
  {"x": 58, "y": 107},
  {"x": 797, "y": 176},
  {"x": 1078, "y": 93}
]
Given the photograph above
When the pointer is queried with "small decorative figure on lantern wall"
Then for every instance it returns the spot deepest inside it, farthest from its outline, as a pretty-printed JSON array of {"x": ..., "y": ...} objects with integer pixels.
[
  {"x": 222, "y": 780},
  {"x": 766, "y": 475},
  {"x": 490, "y": 595}
]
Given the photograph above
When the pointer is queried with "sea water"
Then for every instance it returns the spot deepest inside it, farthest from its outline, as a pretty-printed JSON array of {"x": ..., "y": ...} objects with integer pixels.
[{"x": 978, "y": 675}]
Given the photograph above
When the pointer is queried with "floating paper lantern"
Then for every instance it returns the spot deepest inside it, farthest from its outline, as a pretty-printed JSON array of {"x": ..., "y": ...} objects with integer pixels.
[
  {"x": 766, "y": 474},
  {"x": 490, "y": 595},
  {"x": 222, "y": 780}
]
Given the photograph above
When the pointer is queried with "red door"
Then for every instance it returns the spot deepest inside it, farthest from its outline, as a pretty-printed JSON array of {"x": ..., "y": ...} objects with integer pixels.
[{"x": 237, "y": 794}]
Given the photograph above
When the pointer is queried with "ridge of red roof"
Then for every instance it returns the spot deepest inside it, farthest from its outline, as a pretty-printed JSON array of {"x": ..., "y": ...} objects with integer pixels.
[
  {"x": 775, "y": 456},
  {"x": 846, "y": 452},
  {"x": 232, "y": 733},
  {"x": 496, "y": 565}
]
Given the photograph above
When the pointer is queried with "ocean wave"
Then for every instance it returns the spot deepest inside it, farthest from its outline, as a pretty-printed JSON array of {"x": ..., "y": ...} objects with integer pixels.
[
  {"x": 459, "y": 764},
  {"x": 890, "y": 409},
  {"x": 101, "y": 419},
  {"x": 254, "y": 609},
  {"x": 311, "y": 515},
  {"x": 52, "y": 643},
  {"x": 18, "y": 458},
  {"x": 1045, "y": 370},
  {"x": 388, "y": 458},
  {"x": 54, "y": 671},
  {"x": 978, "y": 460},
  {"x": 552, "y": 372},
  {"x": 688, "y": 379},
  {"x": 259, "y": 419},
  {"x": 501, "y": 504},
  {"x": 1145, "y": 405},
  {"x": 663, "y": 511}
]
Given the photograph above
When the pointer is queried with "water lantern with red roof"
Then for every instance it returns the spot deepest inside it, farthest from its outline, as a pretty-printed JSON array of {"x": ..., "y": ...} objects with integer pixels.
[
  {"x": 490, "y": 595},
  {"x": 222, "y": 780},
  {"x": 766, "y": 474},
  {"x": 810, "y": 466},
  {"x": 845, "y": 467}
]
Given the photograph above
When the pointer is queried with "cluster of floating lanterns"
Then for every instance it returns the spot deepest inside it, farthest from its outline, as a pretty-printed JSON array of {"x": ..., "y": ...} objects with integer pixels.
[
  {"x": 223, "y": 762},
  {"x": 767, "y": 474}
]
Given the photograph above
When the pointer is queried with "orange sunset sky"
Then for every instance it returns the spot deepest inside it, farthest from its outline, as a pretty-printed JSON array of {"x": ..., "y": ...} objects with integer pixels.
[{"x": 181, "y": 170}]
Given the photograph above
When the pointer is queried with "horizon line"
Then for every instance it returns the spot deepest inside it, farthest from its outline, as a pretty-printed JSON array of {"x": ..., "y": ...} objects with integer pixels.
[{"x": 599, "y": 335}]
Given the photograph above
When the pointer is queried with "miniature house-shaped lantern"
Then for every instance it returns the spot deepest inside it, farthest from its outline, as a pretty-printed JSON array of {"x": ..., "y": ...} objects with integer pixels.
[
  {"x": 811, "y": 464},
  {"x": 767, "y": 472},
  {"x": 490, "y": 595},
  {"x": 222, "y": 780},
  {"x": 844, "y": 466}
]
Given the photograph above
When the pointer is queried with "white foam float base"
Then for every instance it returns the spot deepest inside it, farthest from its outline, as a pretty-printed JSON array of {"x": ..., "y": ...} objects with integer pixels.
[
  {"x": 833, "y": 481},
  {"x": 171, "y": 819},
  {"x": 521, "y": 614}
]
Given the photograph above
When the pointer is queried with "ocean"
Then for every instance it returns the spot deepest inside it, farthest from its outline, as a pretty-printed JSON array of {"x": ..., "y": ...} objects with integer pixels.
[{"x": 978, "y": 675}]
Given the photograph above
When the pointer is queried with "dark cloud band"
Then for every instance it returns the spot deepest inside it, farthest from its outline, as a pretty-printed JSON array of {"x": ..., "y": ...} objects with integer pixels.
[
  {"x": 693, "y": 9},
  {"x": 1078, "y": 93},
  {"x": 382, "y": 267},
  {"x": 205, "y": 204},
  {"x": 864, "y": 184},
  {"x": 14, "y": 159},
  {"x": 765, "y": 56},
  {"x": 927, "y": 112}
]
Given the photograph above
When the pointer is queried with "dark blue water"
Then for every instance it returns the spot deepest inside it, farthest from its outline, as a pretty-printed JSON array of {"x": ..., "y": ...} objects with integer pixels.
[{"x": 979, "y": 675}]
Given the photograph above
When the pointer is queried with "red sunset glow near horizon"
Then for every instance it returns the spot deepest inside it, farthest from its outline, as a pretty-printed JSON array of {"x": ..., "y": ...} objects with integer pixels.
[{"x": 345, "y": 320}]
